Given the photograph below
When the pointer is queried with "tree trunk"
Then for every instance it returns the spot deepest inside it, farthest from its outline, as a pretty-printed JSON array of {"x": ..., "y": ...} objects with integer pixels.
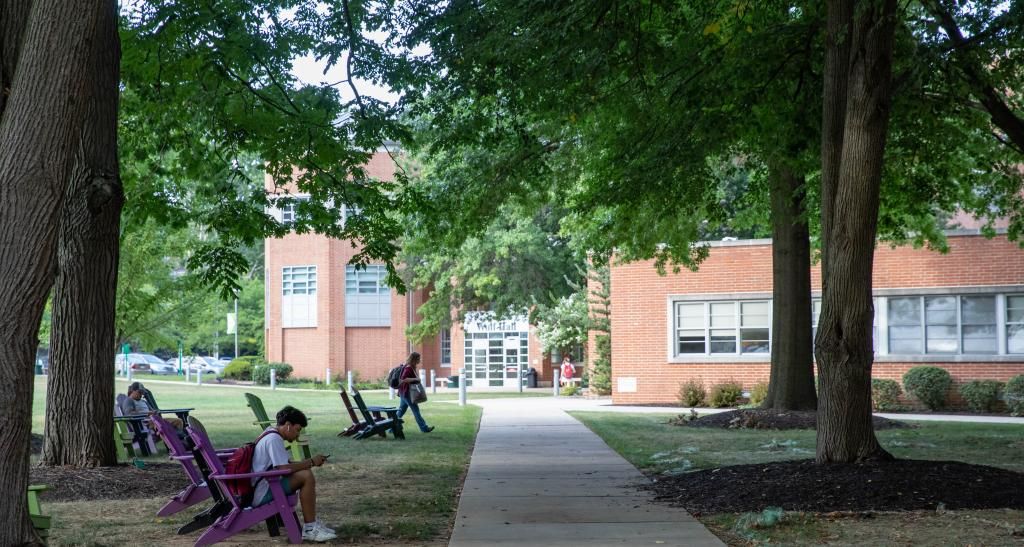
[
  {"x": 843, "y": 346},
  {"x": 41, "y": 123},
  {"x": 80, "y": 393},
  {"x": 791, "y": 384}
]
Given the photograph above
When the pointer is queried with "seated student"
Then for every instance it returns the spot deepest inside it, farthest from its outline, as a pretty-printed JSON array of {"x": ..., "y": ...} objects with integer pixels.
[
  {"x": 136, "y": 405},
  {"x": 270, "y": 453}
]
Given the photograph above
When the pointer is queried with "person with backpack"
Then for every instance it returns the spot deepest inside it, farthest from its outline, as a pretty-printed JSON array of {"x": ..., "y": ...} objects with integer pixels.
[
  {"x": 270, "y": 453},
  {"x": 407, "y": 377}
]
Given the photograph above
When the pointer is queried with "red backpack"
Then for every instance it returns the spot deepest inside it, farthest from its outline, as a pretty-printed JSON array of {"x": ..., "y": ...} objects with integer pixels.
[{"x": 240, "y": 462}]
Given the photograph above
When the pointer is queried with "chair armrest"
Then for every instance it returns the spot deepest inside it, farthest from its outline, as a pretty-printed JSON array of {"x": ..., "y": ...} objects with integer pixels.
[
  {"x": 38, "y": 488},
  {"x": 183, "y": 457},
  {"x": 173, "y": 410},
  {"x": 382, "y": 408},
  {"x": 269, "y": 474}
]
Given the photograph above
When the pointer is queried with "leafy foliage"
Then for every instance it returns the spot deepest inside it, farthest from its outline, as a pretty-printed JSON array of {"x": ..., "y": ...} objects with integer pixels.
[
  {"x": 929, "y": 385},
  {"x": 725, "y": 394},
  {"x": 261, "y": 372},
  {"x": 692, "y": 393},
  {"x": 1014, "y": 394},
  {"x": 758, "y": 393},
  {"x": 240, "y": 368},
  {"x": 885, "y": 394},
  {"x": 599, "y": 278},
  {"x": 981, "y": 395}
]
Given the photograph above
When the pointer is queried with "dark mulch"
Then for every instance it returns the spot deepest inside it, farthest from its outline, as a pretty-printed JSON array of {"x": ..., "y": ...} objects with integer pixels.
[
  {"x": 757, "y": 418},
  {"x": 803, "y": 485},
  {"x": 104, "y": 483}
]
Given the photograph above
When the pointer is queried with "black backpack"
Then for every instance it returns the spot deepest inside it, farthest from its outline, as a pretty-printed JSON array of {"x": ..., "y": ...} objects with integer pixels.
[{"x": 395, "y": 375}]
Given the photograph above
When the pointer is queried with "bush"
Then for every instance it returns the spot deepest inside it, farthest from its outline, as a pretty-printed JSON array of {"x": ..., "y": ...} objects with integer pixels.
[
  {"x": 885, "y": 394},
  {"x": 1014, "y": 394},
  {"x": 981, "y": 395},
  {"x": 241, "y": 367},
  {"x": 692, "y": 393},
  {"x": 261, "y": 373},
  {"x": 570, "y": 390},
  {"x": 725, "y": 394},
  {"x": 929, "y": 385},
  {"x": 758, "y": 393}
]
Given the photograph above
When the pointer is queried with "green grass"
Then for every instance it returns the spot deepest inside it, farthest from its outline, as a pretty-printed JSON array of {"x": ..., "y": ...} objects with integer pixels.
[
  {"x": 371, "y": 491},
  {"x": 656, "y": 447}
]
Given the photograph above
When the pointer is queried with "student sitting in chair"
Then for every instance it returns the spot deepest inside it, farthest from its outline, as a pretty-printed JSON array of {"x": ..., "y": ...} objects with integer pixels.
[
  {"x": 136, "y": 405},
  {"x": 270, "y": 453}
]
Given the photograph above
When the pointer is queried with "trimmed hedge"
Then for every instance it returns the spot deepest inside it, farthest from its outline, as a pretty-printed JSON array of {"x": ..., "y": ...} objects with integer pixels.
[
  {"x": 929, "y": 385},
  {"x": 692, "y": 393},
  {"x": 261, "y": 373},
  {"x": 758, "y": 393},
  {"x": 885, "y": 394},
  {"x": 1014, "y": 394},
  {"x": 725, "y": 394},
  {"x": 241, "y": 367},
  {"x": 981, "y": 395}
]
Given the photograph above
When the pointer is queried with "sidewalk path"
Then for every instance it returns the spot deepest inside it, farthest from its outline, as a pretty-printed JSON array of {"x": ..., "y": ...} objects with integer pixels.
[{"x": 538, "y": 477}]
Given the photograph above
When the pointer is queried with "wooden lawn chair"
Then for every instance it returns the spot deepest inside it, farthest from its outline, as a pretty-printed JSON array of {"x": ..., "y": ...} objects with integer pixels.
[
  {"x": 377, "y": 425},
  {"x": 142, "y": 442},
  {"x": 357, "y": 425},
  {"x": 182, "y": 413},
  {"x": 281, "y": 508},
  {"x": 40, "y": 521},
  {"x": 198, "y": 490},
  {"x": 299, "y": 448}
]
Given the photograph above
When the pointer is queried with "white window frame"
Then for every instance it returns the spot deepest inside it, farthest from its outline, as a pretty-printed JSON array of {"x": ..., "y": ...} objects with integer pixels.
[
  {"x": 445, "y": 341},
  {"x": 1004, "y": 328},
  {"x": 737, "y": 327},
  {"x": 299, "y": 298},
  {"x": 367, "y": 308}
]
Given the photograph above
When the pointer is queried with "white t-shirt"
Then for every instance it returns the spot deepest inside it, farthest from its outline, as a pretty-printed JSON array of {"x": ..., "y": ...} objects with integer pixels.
[{"x": 270, "y": 453}]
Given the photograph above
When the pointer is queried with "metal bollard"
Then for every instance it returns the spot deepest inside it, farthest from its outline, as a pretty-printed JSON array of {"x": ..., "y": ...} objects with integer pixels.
[
  {"x": 519, "y": 377},
  {"x": 199, "y": 377},
  {"x": 273, "y": 378},
  {"x": 462, "y": 387},
  {"x": 433, "y": 381},
  {"x": 554, "y": 386},
  {"x": 129, "y": 365},
  {"x": 423, "y": 379},
  {"x": 391, "y": 392},
  {"x": 349, "y": 376}
]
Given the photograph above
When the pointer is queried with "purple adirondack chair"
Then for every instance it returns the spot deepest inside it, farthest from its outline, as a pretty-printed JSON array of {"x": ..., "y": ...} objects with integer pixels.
[
  {"x": 241, "y": 518},
  {"x": 198, "y": 490}
]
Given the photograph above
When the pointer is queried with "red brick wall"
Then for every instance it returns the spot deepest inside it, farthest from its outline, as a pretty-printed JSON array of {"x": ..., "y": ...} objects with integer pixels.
[{"x": 640, "y": 309}]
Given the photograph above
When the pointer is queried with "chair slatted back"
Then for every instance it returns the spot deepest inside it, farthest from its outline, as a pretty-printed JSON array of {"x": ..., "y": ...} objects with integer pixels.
[
  {"x": 197, "y": 432},
  {"x": 358, "y": 398},
  {"x": 256, "y": 404},
  {"x": 150, "y": 399},
  {"x": 348, "y": 406},
  {"x": 174, "y": 446}
]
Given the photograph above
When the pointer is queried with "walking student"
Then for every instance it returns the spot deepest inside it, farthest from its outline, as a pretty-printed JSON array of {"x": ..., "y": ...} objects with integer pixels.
[{"x": 408, "y": 377}]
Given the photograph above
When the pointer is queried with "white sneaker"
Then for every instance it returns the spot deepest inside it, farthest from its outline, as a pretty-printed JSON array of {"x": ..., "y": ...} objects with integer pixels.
[
  {"x": 321, "y": 524},
  {"x": 318, "y": 533}
]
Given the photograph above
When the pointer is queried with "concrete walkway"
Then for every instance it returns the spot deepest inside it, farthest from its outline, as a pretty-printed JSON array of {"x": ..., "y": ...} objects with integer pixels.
[{"x": 539, "y": 477}]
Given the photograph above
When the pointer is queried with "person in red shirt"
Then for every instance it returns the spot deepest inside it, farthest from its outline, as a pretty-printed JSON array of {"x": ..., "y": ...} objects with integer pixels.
[
  {"x": 409, "y": 376},
  {"x": 568, "y": 370}
]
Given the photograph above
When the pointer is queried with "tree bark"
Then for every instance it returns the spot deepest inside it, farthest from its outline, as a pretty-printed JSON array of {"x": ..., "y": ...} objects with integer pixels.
[
  {"x": 80, "y": 393},
  {"x": 41, "y": 122},
  {"x": 791, "y": 383},
  {"x": 843, "y": 346}
]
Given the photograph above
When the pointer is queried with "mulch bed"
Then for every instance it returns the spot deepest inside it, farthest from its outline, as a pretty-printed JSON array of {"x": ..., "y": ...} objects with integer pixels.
[
  {"x": 757, "y": 418},
  {"x": 105, "y": 483},
  {"x": 803, "y": 485}
]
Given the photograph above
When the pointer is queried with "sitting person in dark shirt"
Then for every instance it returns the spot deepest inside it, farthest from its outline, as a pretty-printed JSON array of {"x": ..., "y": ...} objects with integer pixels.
[{"x": 135, "y": 405}]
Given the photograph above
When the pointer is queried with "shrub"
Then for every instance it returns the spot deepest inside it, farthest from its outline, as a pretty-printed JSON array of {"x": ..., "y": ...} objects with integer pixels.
[
  {"x": 725, "y": 394},
  {"x": 570, "y": 390},
  {"x": 885, "y": 394},
  {"x": 261, "y": 373},
  {"x": 929, "y": 385},
  {"x": 1014, "y": 394},
  {"x": 692, "y": 393},
  {"x": 758, "y": 393},
  {"x": 241, "y": 367},
  {"x": 981, "y": 395}
]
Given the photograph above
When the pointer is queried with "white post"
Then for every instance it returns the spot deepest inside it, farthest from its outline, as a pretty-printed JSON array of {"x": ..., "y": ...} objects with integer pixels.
[
  {"x": 349, "y": 375},
  {"x": 188, "y": 373},
  {"x": 462, "y": 387},
  {"x": 236, "y": 327},
  {"x": 129, "y": 365},
  {"x": 554, "y": 386},
  {"x": 433, "y": 381},
  {"x": 327, "y": 376},
  {"x": 391, "y": 393},
  {"x": 423, "y": 379},
  {"x": 273, "y": 378},
  {"x": 199, "y": 377},
  {"x": 519, "y": 376}
]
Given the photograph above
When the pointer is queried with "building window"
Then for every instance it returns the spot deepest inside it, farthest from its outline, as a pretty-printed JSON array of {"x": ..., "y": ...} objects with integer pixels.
[
  {"x": 816, "y": 313},
  {"x": 367, "y": 297},
  {"x": 298, "y": 296},
  {"x": 446, "y": 348},
  {"x": 943, "y": 325},
  {"x": 287, "y": 208},
  {"x": 717, "y": 328},
  {"x": 1015, "y": 324}
]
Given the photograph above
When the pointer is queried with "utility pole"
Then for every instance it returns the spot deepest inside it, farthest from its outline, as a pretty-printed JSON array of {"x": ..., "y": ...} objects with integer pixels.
[{"x": 236, "y": 327}]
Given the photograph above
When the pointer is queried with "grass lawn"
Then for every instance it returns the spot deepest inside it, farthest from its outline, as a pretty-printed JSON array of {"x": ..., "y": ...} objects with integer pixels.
[
  {"x": 655, "y": 447},
  {"x": 372, "y": 491}
]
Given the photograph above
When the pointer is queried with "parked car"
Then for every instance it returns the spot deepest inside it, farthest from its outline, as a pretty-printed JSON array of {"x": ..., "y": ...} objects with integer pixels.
[
  {"x": 141, "y": 362},
  {"x": 158, "y": 365},
  {"x": 208, "y": 365}
]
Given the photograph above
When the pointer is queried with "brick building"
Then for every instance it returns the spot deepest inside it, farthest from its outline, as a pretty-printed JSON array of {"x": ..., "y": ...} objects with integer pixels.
[
  {"x": 962, "y": 311},
  {"x": 322, "y": 313}
]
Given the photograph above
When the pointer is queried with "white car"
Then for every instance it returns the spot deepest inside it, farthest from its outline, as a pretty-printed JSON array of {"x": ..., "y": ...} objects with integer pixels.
[
  {"x": 143, "y": 362},
  {"x": 208, "y": 365},
  {"x": 158, "y": 365}
]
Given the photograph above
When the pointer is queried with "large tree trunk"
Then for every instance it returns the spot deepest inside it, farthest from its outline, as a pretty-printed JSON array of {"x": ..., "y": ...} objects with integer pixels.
[
  {"x": 80, "y": 393},
  {"x": 41, "y": 122},
  {"x": 849, "y": 223},
  {"x": 791, "y": 384}
]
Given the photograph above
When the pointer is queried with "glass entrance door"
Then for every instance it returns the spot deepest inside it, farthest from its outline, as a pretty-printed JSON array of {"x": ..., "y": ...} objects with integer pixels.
[{"x": 495, "y": 358}]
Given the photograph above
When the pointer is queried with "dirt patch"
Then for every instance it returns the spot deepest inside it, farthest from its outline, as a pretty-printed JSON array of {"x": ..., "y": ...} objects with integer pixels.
[
  {"x": 756, "y": 418},
  {"x": 109, "y": 483},
  {"x": 803, "y": 485}
]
